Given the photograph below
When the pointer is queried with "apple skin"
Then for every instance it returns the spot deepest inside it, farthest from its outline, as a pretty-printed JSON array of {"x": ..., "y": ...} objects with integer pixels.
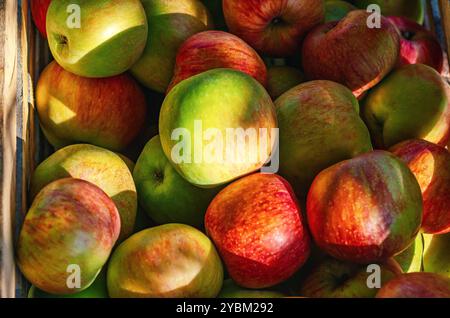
[
  {"x": 72, "y": 108},
  {"x": 172, "y": 260},
  {"x": 416, "y": 285},
  {"x": 335, "y": 279},
  {"x": 158, "y": 183},
  {"x": 430, "y": 164},
  {"x": 418, "y": 45},
  {"x": 264, "y": 253},
  {"x": 39, "y": 13},
  {"x": 436, "y": 258},
  {"x": 170, "y": 23},
  {"x": 319, "y": 126},
  {"x": 221, "y": 99},
  {"x": 413, "y": 102},
  {"x": 281, "y": 79},
  {"x": 71, "y": 221},
  {"x": 337, "y": 9},
  {"x": 231, "y": 290},
  {"x": 410, "y": 260},
  {"x": 351, "y": 53},
  {"x": 412, "y": 9},
  {"x": 99, "y": 166},
  {"x": 110, "y": 40},
  {"x": 274, "y": 27},
  {"x": 366, "y": 209},
  {"x": 216, "y": 49}
]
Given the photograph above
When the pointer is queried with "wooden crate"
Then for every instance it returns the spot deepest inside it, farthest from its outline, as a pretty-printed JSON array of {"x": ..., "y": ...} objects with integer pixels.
[{"x": 23, "y": 54}]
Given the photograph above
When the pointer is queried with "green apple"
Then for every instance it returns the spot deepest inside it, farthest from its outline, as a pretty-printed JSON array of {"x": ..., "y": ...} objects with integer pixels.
[
  {"x": 98, "y": 38},
  {"x": 412, "y": 9},
  {"x": 282, "y": 78},
  {"x": 170, "y": 23},
  {"x": 410, "y": 260},
  {"x": 436, "y": 256},
  {"x": 231, "y": 290},
  {"x": 164, "y": 194},
  {"x": 337, "y": 9},
  {"x": 217, "y": 126}
]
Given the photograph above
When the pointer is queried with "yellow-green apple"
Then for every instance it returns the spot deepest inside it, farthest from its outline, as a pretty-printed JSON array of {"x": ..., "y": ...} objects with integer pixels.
[
  {"x": 39, "y": 13},
  {"x": 170, "y": 23},
  {"x": 99, "y": 38},
  {"x": 282, "y": 78},
  {"x": 337, "y": 9},
  {"x": 164, "y": 194},
  {"x": 172, "y": 260},
  {"x": 107, "y": 112},
  {"x": 215, "y": 8},
  {"x": 217, "y": 49},
  {"x": 430, "y": 164},
  {"x": 273, "y": 27},
  {"x": 418, "y": 45},
  {"x": 231, "y": 290},
  {"x": 217, "y": 126},
  {"x": 416, "y": 285},
  {"x": 412, "y": 102},
  {"x": 351, "y": 52},
  {"x": 365, "y": 209},
  {"x": 99, "y": 166},
  {"x": 319, "y": 126},
  {"x": 436, "y": 258},
  {"x": 412, "y": 9},
  {"x": 257, "y": 226},
  {"x": 410, "y": 260},
  {"x": 71, "y": 226},
  {"x": 336, "y": 279}
]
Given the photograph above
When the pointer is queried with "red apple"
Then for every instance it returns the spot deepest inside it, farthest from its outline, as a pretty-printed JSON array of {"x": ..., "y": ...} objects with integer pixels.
[
  {"x": 39, "y": 12},
  {"x": 351, "y": 53},
  {"x": 273, "y": 27},
  {"x": 259, "y": 231},
  {"x": 366, "y": 209},
  {"x": 430, "y": 164},
  {"x": 416, "y": 285},
  {"x": 216, "y": 49},
  {"x": 418, "y": 45}
]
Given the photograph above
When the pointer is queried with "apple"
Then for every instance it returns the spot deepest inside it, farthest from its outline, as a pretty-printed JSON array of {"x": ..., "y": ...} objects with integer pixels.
[
  {"x": 99, "y": 166},
  {"x": 337, "y": 9},
  {"x": 273, "y": 27},
  {"x": 172, "y": 260},
  {"x": 281, "y": 79},
  {"x": 336, "y": 279},
  {"x": 412, "y": 9},
  {"x": 411, "y": 103},
  {"x": 418, "y": 45},
  {"x": 216, "y": 49},
  {"x": 350, "y": 52},
  {"x": 416, "y": 285},
  {"x": 436, "y": 258},
  {"x": 107, "y": 112},
  {"x": 158, "y": 183},
  {"x": 430, "y": 164},
  {"x": 39, "y": 13},
  {"x": 257, "y": 226},
  {"x": 410, "y": 260},
  {"x": 319, "y": 126},
  {"x": 70, "y": 222},
  {"x": 99, "y": 38},
  {"x": 366, "y": 209},
  {"x": 217, "y": 126},
  {"x": 231, "y": 290},
  {"x": 170, "y": 23}
]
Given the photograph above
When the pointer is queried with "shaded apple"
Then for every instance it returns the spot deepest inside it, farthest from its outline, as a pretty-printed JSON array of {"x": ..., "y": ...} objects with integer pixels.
[
  {"x": 319, "y": 126},
  {"x": 430, "y": 164},
  {"x": 216, "y": 49},
  {"x": 172, "y": 260},
  {"x": 170, "y": 23},
  {"x": 39, "y": 13},
  {"x": 107, "y": 112},
  {"x": 350, "y": 52},
  {"x": 436, "y": 258},
  {"x": 416, "y": 285},
  {"x": 71, "y": 222},
  {"x": 273, "y": 27},
  {"x": 412, "y": 102},
  {"x": 410, "y": 260},
  {"x": 99, "y": 38},
  {"x": 282, "y": 78},
  {"x": 257, "y": 226},
  {"x": 412, "y": 9},
  {"x": 215, "y": 8},
  {"x": 99, "y": 166},
  {"x": 337, "y": 9},
  {"x": 231, "y": 290},
  {"x": 366, "y": 209}
]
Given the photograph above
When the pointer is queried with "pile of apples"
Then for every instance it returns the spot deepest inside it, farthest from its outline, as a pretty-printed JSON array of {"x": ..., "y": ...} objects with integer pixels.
[{"x": 363, "y": 113}]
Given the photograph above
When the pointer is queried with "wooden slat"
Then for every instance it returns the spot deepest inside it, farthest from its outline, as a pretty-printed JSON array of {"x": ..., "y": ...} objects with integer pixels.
[{"x": 444, "y": 6}]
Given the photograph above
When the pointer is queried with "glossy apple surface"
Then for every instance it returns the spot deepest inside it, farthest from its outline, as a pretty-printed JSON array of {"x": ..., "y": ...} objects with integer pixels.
[
  {"x": 410, "y": 260},
  {"x": 416, "y": 285},
  {"x": 436, "y": 258},
  {"x": 39, "y": 13}
]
